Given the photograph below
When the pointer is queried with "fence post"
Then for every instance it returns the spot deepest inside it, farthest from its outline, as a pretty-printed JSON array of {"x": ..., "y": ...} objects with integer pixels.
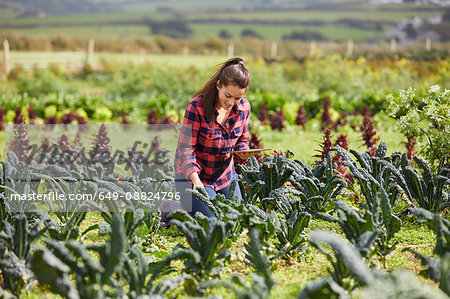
[
  {"x": 312, "y": 48},
  {"x": 273, "y": 51},
  {"x": 393, "y": 44},
  {"x": 428, "y": 44},
  {"x": 90, "y": 57},
  {"x": 6, "y": 57},
  {"x": 350, "y": 48},
  {"x": 185, "y": 55},
  {"x": 230, "y": 50},
  {"x": 141, "y": 56}
]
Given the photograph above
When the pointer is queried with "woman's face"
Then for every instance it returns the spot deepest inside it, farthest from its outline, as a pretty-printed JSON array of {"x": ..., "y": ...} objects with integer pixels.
[{"x": 229, "y": 95}]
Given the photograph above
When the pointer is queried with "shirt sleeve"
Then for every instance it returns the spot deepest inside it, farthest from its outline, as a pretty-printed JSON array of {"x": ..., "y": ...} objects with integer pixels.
[
  {"x": 188, "y": 140},
  {"x": 242, "y": 143}
]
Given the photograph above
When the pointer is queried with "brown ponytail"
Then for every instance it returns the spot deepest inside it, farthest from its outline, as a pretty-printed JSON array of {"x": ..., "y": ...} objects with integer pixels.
[{"x": 231, "y": 72}]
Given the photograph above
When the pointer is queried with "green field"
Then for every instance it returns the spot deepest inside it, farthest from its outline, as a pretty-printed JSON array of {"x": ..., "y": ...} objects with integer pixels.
[
  {"x": 208, "y": 18},
  {"x": 89, "y": 31},
  {"x": 82, "y": 18},
  {"x": 309, "y": 15},
  {"x": 272, "y": 32},
  {"x": 268, "y": 32}
]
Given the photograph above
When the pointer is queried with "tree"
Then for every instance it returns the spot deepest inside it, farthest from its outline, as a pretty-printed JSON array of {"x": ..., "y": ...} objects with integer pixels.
[
  {"x": 250, "y": 33},
  {"x": 306, "y": 35},
  {"x": 173, "y": 28},
  {"x": 225, "y": 34}
]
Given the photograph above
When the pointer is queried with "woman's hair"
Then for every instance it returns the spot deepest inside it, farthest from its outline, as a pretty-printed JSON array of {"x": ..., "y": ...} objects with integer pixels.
[{"x": 231, "y": 72}]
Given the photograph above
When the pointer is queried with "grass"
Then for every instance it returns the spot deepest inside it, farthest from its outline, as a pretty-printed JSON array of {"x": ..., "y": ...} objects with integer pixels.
[
  {"x": 276, "y": 32},
  {"x": 161, "y": 59},
  {"x": 62, "y": 59},
  {"x": 81, "y": 19},
  {"x": 309, "y": 15},
  {"x": 292, "y": 275}
]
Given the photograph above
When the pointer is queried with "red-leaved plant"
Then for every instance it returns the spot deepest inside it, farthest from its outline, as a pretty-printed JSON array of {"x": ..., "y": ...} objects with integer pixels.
[
  {"x": 301, "y": 119},
  {"x": 2, "y": 119},
  {"x": 19, "y": 118},
  {"x": 125, "y": 122},
  {"x": 82, "y": 123},
  {"x": 327, "y": 122},
  {"x": 100, "y": 146},
  {"x": 64, "y": 145},
  {"x": 68, "y": 117},
  {"x": 342, "y": 141},
  {"x": 50, "y": 121},
  {"x": 341, "y": 121},
  {"x": 20, "y": 144},
  {"x": 45, "y": 146},
  {"x": 152, "y": 118},
  {"x": 277, "y": 121},
  {"x": 369, "y": 133},
  {"x": 262, "y": 115},
  {"x": 73, "y": 116},
  {"x": 77, "y": 141},
  {"x": 325, "y": 147},
  {"x": 31, "y": 114},
  {"x": 410, "y": 145}
]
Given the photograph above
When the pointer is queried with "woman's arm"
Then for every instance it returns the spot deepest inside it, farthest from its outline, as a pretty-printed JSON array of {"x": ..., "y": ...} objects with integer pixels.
[
  {"x": 242, "y": 142},
  {"x": 188, "y": 140}
]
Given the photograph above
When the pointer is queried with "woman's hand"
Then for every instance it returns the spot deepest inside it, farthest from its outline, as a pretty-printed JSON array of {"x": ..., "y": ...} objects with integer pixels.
[
  {"x": 245, "y": 156},
  {"x": 195, "y": 179}
]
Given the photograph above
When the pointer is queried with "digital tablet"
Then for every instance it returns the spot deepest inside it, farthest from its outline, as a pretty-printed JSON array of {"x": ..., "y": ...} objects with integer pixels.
[{"x": 248, "y": 151}]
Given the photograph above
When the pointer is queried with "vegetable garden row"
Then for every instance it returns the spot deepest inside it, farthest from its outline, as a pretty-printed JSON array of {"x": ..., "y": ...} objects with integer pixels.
[
  {"x": 345, "y": 226},
  {"x": 281, "y": 196}
]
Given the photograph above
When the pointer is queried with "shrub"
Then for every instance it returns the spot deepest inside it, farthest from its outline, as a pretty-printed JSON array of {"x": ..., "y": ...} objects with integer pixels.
[
  {"x": 301, "y": 119},
  {"x": 426, "y": 117},
  {"x": 277, "y": 121}
]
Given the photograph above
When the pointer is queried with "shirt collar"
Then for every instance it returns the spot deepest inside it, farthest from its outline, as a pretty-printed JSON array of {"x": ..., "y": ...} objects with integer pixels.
[{"x": 239, "y": 105}]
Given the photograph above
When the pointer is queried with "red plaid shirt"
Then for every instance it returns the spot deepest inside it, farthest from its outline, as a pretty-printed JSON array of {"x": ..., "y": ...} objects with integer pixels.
[{"x": 200, "y": 145}]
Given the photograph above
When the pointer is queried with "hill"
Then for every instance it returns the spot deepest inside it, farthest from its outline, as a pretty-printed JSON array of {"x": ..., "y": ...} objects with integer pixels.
[{"x": 334, "y": 20}]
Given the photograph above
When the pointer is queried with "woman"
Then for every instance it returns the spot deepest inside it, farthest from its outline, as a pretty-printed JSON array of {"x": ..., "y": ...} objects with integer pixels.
[{"x": 216, "y": 120}]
